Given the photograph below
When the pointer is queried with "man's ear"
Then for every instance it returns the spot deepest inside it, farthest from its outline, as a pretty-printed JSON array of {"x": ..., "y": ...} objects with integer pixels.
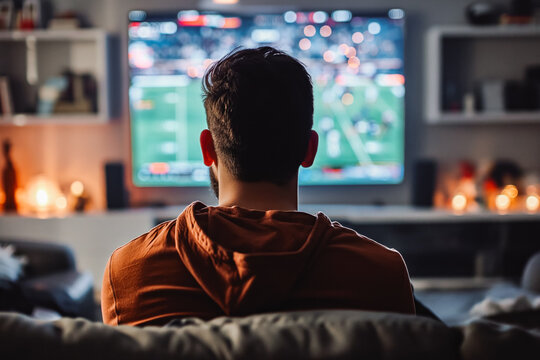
[
  {"x": 313, "y": 144},
  {"x": 207, "y": 147}
]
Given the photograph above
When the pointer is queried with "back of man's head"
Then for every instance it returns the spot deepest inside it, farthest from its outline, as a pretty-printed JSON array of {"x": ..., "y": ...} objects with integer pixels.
[{"x": 259, "y": 109}]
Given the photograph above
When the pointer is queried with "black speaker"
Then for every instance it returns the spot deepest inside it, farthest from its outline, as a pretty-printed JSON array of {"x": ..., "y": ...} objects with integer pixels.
[
  {"x": 117, "y": 194},
  {"x": 424, "y": 182}
]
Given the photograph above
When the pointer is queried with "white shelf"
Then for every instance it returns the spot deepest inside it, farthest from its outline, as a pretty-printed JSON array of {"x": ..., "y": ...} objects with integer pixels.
[
  {"x": 63, "y": 35},
  {"x": 472, "y": 36},
  {"x": 58, "y": 119},
  {"x": 80, "y": 50},
  {"x": 496, "y": 31},
  {"x": 518, "y": 117}
]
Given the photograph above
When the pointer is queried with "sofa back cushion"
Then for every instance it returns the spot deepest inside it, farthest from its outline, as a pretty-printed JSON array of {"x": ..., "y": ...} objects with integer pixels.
[{"x": 296, "y": 335}]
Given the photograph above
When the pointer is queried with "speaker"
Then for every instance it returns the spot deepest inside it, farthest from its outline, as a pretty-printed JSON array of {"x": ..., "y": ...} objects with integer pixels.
[
  {"x": 117, "y": 194},
  {"x": 424, "y": 182}
]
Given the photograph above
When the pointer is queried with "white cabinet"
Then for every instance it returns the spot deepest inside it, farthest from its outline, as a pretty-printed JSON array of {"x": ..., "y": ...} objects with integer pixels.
[
  {"x": 30, "y": 58},
  {"x": 458, "y": 58}
]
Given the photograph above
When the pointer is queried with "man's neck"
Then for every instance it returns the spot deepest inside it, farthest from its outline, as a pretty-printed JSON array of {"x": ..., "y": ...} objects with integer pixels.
[{"x": 259, "y": 195}]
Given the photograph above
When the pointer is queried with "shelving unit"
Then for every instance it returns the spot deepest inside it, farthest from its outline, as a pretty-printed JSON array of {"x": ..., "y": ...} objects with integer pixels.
[
  {"x": 79, "y": 50},
  {"x": 472, "y": 54}
]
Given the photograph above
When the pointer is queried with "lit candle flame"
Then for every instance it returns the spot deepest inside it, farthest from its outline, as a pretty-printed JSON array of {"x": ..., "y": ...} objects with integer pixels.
[
  {"x": 532, "y": 203},
  {"x": 459, "y": 202},
  {"x": 502, "y": 202}
]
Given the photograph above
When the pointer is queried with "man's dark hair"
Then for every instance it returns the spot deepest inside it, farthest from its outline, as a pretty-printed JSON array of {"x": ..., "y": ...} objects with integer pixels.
[{"x": 259, "y": 109}]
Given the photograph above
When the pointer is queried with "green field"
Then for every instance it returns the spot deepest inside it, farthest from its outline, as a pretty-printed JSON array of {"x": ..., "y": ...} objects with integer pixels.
[{"x": 167, "y": 121}]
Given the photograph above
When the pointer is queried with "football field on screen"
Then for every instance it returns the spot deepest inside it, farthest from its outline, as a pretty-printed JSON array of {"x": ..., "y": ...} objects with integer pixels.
[{"x": 359, "y": 125}]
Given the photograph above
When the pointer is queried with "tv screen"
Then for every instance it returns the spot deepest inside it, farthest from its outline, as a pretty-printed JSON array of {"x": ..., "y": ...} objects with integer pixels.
[{"x": 356, "y": 65}]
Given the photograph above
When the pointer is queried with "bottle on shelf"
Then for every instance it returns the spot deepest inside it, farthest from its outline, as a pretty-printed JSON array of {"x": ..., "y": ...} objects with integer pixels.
[{"x": 9, "y": 178}]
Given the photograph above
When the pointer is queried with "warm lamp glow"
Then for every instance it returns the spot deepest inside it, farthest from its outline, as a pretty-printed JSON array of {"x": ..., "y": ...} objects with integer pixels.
[
  {"x": 43, "y": 196},
  {"x": 459, "y": 202},
  {"x": 532, "y": 203},
  {"x": 502, "y": 202}
]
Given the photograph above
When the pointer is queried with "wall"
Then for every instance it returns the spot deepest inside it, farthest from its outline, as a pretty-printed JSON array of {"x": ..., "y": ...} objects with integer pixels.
[{"x": 69, "y": 152}]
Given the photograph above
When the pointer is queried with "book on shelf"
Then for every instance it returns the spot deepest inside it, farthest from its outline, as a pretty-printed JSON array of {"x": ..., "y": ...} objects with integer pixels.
[{"x": 6, "y": 100}]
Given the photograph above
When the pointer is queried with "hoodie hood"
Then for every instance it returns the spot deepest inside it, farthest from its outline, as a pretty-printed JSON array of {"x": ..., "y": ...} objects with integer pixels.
[{"x": 249, "y": 260}]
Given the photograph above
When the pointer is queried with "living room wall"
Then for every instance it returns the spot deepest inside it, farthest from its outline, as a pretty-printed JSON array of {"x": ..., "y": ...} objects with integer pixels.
[{"x": 69, "y": 152}]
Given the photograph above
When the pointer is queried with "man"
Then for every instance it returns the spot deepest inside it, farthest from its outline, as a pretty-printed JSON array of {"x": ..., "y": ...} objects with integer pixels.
[{"x": 254, "y": 252}]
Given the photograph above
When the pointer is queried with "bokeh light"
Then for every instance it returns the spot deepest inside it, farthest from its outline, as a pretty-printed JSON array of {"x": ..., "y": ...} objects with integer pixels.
[
  {"x": 347, "y": 99},
  {"x": 309, "y": 30},
  {"x": 289, "y": 16},
  {"x": 320, "y": 17},
  {"x": 325, "y": 31},
  {"x": 502, "y": 202},
  {"x": 459, "y": 203},
  {"x": 374, "y": 28},
  {"x": 304, "y": 44},
  {"x": 357, "y": 37},
  {"x": 511, "y": 191},
  {"x": 329, "y": 56},
  {"x": 77, "y": 188},
  {"x": 532, "y": 203},
  {"x": 354, "y": 62}
]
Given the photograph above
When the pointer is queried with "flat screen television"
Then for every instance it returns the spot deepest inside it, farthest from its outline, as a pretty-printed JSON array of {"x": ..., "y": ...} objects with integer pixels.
[{"x": 356, "y": 64}]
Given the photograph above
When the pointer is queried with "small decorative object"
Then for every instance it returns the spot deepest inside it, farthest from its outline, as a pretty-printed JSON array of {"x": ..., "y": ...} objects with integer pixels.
[
  {"x": 502, "y": 186},
  {"x": 491, "y": 96},
  {"x": 6, "y": 14},
  {"x": 6, "y": 100},
  {"x": 9, "y": 179},
  {"x": 30, "y": 17},
  {"x": 68, "y": 93},
  {"x": 483, "y": 13},
  {"x": 43, "y": 197},
  {"x": 79, "y": 96},
  {"x": 68, "y": 20},
  {"x": 11, "y": 266},
  {"x": 469, "y": 104},
  {"x": 78, "y": 192},
  {"x": 49, "y": 94},
  {"x": 465, "y": 192},
  {"x": 521, "y": 12},
  {"x": 532, "y": 78}
]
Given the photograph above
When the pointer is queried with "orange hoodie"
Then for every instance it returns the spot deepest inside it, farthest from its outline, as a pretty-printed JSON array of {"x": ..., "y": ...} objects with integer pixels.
[{"x": 214, "y": 261}]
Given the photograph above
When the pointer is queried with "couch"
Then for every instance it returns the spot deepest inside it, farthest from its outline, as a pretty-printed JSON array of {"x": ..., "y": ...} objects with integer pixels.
[
  {"x": 334, "y": 334},
  {"x": 50, "y": 280}
]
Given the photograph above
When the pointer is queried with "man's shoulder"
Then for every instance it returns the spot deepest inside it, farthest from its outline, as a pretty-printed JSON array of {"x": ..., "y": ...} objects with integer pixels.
[
  {"x": 355, "y": 243},
  {"x": 141, "y": 245}
]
